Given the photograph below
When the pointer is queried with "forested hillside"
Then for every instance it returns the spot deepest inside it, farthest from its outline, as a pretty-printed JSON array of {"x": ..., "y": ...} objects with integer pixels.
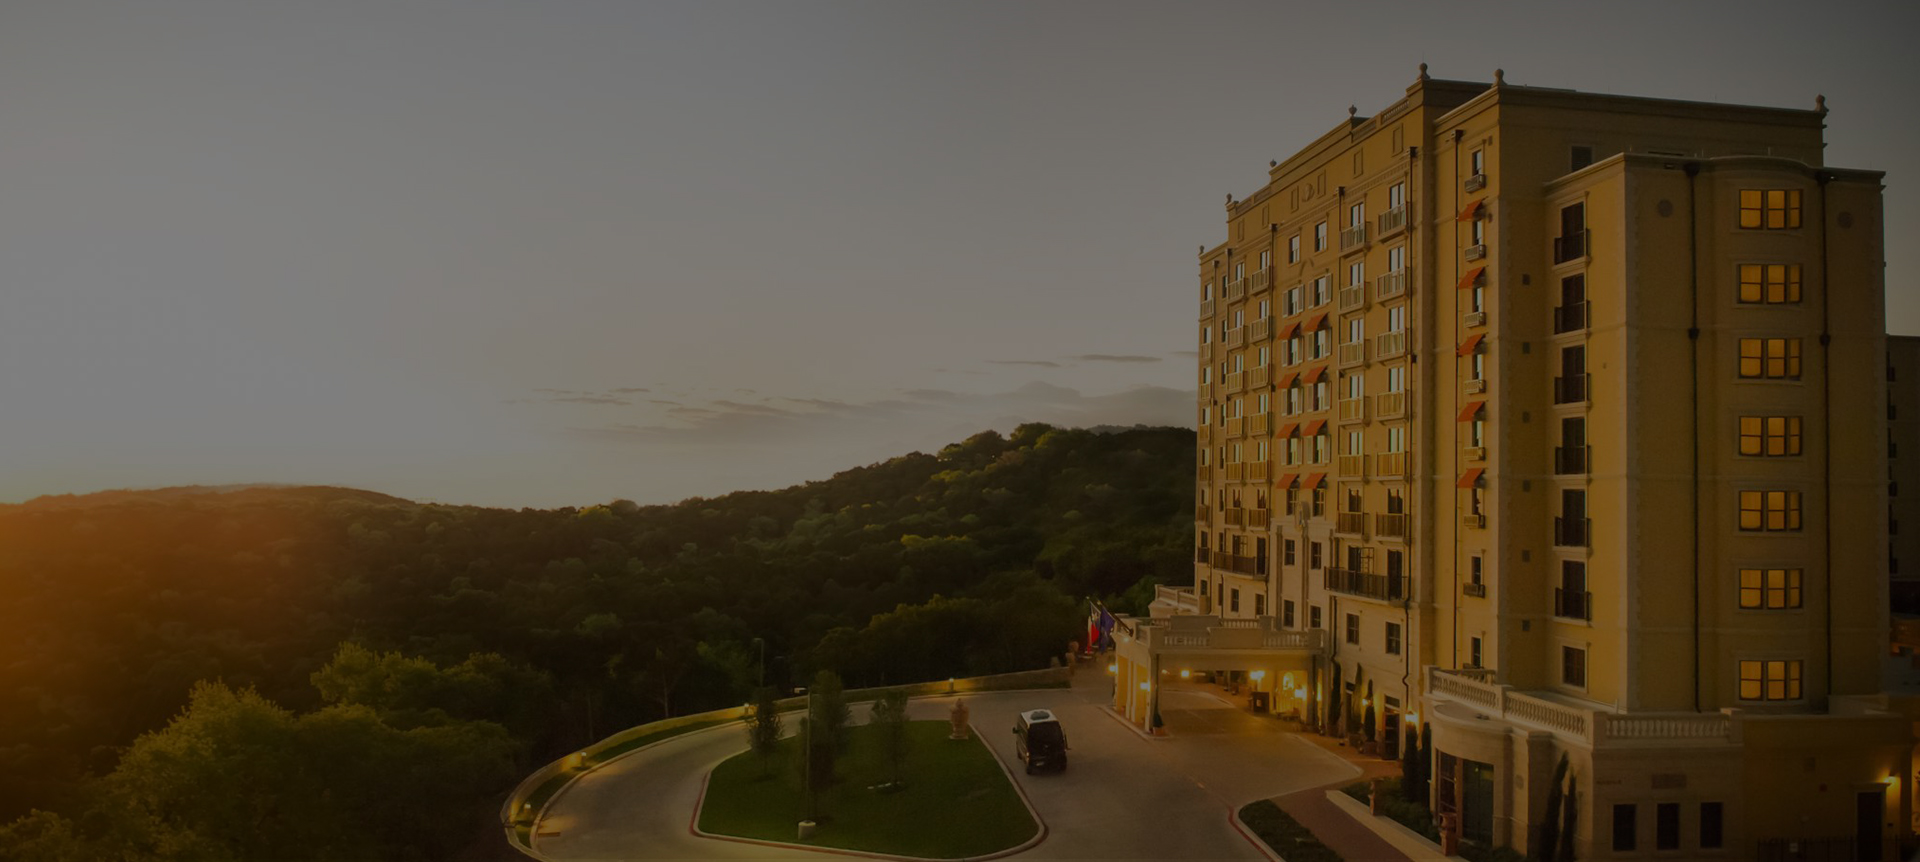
[{"x": 464, "y": 644}]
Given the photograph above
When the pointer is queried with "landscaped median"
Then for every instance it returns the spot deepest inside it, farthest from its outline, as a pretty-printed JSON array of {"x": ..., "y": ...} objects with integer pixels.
[
  {"x": 520, "y": 814},
  {"x": 1287, "y": 836},
  {"x": 954, "y": 800}
]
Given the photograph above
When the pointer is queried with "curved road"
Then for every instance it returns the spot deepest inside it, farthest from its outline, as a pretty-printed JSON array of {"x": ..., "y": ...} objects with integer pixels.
[{"x": 1125, "y": 796}]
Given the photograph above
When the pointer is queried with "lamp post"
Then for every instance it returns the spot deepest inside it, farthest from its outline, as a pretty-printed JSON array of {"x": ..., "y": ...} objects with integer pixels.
[{"x": 763, "y": 660}]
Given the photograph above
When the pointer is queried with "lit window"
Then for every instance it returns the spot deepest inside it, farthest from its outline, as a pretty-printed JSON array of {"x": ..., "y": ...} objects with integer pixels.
[
  {"x": 1353, "y": 628},
  {"x": 1393, "y": 638},
  {"x": 1320, "y": 237},
  {"x": 1770, "y": 436},
  {"x": 1770, "y": 680},
  {"x": 1770, "y": 589},
  {"x": 1770, "y": 283},
  {"x": 1293, "y": 249},
  {"x": 1769, "y": 209},
  {"x": 1770, "y": 358},
  {"x": 1770, "y": 511}
]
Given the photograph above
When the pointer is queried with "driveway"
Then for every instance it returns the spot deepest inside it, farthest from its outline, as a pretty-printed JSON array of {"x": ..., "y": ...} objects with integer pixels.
[{"x": 1124, "y": 796}]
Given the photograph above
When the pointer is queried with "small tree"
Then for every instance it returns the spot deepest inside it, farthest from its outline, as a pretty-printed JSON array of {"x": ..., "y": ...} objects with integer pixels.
[
  {"x": 1571, "y": 813},
  {"x": 1335, "y": 699},
  {"x": 1426, "y": 763},
  {"x": 1368, "y": 723},
  {"x": 890, "y": 717},
  {"x": 1550, "y": 828},
  {"x": 763, "y": 728},
  {"x": 1411, "y": 768},
  {"x": 815, "y": 763},
  {"x": 828, "y": 706}
]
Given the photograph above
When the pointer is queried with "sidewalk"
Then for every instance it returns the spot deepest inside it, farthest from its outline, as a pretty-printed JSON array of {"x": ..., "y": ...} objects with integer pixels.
[{"x": 1336, "y": 828}]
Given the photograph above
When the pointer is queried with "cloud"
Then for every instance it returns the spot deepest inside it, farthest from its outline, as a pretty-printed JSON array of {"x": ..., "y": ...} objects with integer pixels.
[
  {"x": 1189, "y": 354},
  {"x": 1114, "y": 357},
  {"x": 1036, "y": 363},
  {"x": 924, "y": 417},
  {"x": 591, "y": 399},
  {"x": 629, "y": 390}
]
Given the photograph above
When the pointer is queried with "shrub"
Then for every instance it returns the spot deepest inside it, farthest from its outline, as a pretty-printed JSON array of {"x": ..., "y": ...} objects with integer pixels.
[{"x": 1285, "y": 835}]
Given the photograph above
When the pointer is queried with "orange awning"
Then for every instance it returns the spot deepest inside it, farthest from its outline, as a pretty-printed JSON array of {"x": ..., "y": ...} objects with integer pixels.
[
  {"x": 1288, "y": 429},
  {"x": 1314, "y": 480},
  {"x": 1314, "y": 427},
  {"x": 1315, "y": 373},
  {"x": 1289, "y": 330},
  {"x": 1471, "y": 410},
  {"x": 1468, "y": 345},
  {"x": 1470, "y": 478},
  {"x": 1315, "y": 321},
  {"x": 1472, "y": 211},
  {"x": 1473, "y": 275},
  {"x": 1287, "y": 379},
  {"x": 1286, "y": 479}
]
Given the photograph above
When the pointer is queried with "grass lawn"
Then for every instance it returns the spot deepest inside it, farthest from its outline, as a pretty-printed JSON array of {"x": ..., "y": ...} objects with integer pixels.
[{"x": 957, "y": 802}]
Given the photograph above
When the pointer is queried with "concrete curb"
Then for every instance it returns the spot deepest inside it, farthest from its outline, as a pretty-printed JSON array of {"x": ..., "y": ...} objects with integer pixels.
[
  {"x": 693, "y": 825},
  {"x": 1240, "y": 826},
  {"x": 1392, "y": 831}
]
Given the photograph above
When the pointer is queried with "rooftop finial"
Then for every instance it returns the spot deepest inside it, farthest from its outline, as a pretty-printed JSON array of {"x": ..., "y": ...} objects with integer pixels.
[
  {"x": 1272, "y": 164},
  {"x": 1352, "y": 111},
  {"x": 1423, "y": 71},
  {"x": 1499, "y": 77},
  {"x": 1820, "y": 104}
]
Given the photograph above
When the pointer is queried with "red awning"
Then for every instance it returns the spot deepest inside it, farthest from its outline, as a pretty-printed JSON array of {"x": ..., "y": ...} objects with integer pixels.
[
  {"x": 1472, "y": 211},
  {"x": 1314, "y": 480},
  {"x": 1314, "y": 427},
  {"x": 1287, "y": 379},
  {"x": 1289, "y": 330},
  {"x": 1470, "y": 478},
  {"x": 1468, "y": 345},
  {"x": 1288, "y": 429},
  {"x": 1473, "y": 275},
  {"x": 1471, "y": 410},
  {"x": 1315, "y": 373},
  {"x": 1315, "y": 321},
  {"x": 1286, "y": 479}
]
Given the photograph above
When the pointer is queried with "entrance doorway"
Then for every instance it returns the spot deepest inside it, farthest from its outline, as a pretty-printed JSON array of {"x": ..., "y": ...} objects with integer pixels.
[{"x": 1867, "y": 842}]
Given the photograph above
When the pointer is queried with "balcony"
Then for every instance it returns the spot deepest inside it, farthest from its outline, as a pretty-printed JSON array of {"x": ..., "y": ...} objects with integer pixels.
[
  {"x": 1236, "y": 336},
  {"x": 1478, "y": 591},
  {"x": 1572, "y": 604},
  {"x": 1203, "y": 514},
  {"x": 1476, "y": 252},
  {"x": 1206, "y": 351},
  {"x": 1258, "y": 377},
  {"x": 1350, "y": 523},
  {"x": 1388, "y": 345},
  {"x": 1237, "y": 472},
  {"x": 1236, "y": 427},
  {"x": 1472, "y": 453},
  {"x": 1236, "y": 563},
  {"x": 1474, "y": 318},
  {"x": 1352, "y": 466},
  {"x": 1475, "y": 386},
  {"x": 1390, "y": 525},
  {"x": 1668, "y": 730},
  {"x": 1353, "y": 582},
  {"x": 1571, "y": 388},
  {"x": 1234, "y": 517},
  {"x": 1390, "y": 285},
  {"x": 1262, "y": 329},
  {"x": 1206, "y": 309},
  {"x": 1353, "y": 353},
  {"x": 1262, "y": 280},
  {"x": 1352, "y": 237},
  {"x": 1353, "y": 298},
  {"x": 1233, "y": 382},
  {"x": 1474, "y": 520},
  {"x": 1201, "y": 555},
  {"x": 1572, "y": 460},
  {"x": 1256, "y": 472},
  {"x": 1390, "y": 405},
  {"x": 1390, "y": 465},
  {"x": 1257, "y": 518},
  {"x": 1393, "y": 220},
  {"x": 1475, "y": 183},
  {"x": 1353, "y": 409},
  {"x": 1236, "y": 289},
  {"x": 1206, "y": 433},
  {"x": 1572, "y": 532},
  {"x": 1571, "y": 247},
  {"x": 1260, "y": 423},
  {"x": 1571, "y": 317}
]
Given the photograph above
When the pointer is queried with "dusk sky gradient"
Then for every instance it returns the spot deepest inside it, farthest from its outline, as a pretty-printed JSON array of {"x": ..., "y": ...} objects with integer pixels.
[{"x": 557, "y": 253}]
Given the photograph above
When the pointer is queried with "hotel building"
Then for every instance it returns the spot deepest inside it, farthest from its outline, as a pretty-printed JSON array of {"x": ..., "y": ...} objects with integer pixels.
[{"x": 1548, "y": 420}]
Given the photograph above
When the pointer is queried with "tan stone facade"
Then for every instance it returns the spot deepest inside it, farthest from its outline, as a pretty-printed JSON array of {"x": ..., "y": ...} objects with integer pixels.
[
  {"x": 1547, "y": 408},
  {"x": 1903, "y": 457}
]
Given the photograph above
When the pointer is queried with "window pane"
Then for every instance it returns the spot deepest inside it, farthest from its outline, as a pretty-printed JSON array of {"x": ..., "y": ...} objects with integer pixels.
[{"x": 1749, "y": 282}]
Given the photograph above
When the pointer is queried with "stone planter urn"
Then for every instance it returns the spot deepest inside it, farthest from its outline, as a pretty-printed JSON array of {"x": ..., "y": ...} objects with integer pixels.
[
  {"x": 806, "y": 829},
  {"x": 958, "y": 718}
]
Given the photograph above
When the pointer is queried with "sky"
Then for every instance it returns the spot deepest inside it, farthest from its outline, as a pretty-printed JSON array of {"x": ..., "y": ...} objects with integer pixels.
[{"x": 558, "y": 253}]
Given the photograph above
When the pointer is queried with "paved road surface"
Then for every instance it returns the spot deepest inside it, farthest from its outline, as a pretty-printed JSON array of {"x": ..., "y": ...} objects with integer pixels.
[{"x": 1124, "y": 797}]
